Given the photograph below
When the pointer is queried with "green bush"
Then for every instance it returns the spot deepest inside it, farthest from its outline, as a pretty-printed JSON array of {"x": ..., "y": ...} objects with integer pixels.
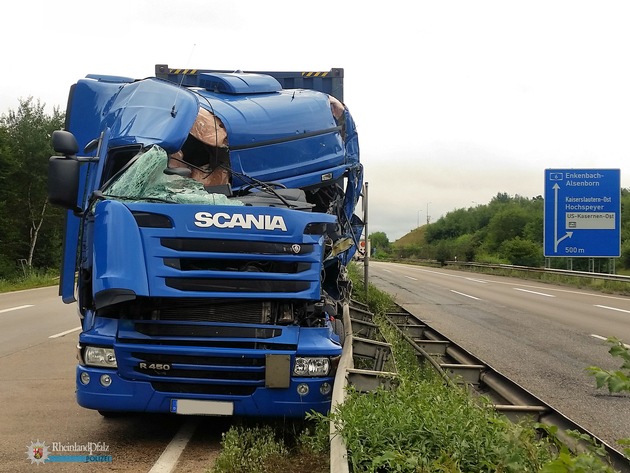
[
  {"x": 424, "y": 426},
  {"x": 248, "y": 450},
  {"x": 615, "y": 380},
  {"x": 522, "y": 252}
]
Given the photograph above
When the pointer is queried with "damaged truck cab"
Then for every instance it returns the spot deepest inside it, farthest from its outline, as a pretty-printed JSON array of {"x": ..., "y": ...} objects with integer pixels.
[{"x": 210, "y": 221}]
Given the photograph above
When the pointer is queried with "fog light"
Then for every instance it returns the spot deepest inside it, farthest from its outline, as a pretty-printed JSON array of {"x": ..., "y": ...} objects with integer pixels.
[
  {"x": 325, "y": 389},
  {"x": 302, "y": 389},
  {"x": 106, "y": 380},
  {"x": 85, "y": 378}
]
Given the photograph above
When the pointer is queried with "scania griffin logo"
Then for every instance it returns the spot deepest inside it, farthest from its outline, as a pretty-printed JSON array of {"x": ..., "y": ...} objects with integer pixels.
[{"x": 246, "y": 221}]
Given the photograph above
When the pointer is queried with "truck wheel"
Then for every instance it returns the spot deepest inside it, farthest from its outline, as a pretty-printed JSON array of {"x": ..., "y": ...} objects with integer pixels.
[{"x": 338, "y": 329}]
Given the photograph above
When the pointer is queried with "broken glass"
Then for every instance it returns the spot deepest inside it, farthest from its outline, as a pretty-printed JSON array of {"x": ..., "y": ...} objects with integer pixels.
[{"x": 145, "y": 180}]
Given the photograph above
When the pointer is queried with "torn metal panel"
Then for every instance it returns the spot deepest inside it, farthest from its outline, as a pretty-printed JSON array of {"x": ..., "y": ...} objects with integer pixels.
[{"x": 206, "y": 149}]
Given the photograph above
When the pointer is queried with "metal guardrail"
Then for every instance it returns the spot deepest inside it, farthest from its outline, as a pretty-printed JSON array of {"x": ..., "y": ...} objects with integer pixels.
[
  {"x": 454, "y": 363},
  {"x": 338, "y": 452},
  {"x": 508, "y": 397},
  {"x": 362, "y": 342},
  {"x": 531, "y": 269}
]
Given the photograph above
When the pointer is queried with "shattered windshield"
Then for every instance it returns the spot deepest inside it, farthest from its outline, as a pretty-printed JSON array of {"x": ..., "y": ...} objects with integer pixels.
[{"x": 145, "y": 180}]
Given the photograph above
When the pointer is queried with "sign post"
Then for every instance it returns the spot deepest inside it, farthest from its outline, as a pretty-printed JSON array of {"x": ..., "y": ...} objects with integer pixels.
[{"x": 582, "y": 213}]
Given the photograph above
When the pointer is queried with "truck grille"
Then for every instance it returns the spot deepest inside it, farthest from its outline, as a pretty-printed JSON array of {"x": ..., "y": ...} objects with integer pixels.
[
  {"x": 196, "y": 374},
  {"x": 204, "y": 331},
  {"x": 215, "y": 267},
  {"x": 236, "y": 285},
  {"x": 235, "y": 246},
  {"x": 203, "y": 310},
  {"x": 200, "y": 357},
  {"x": 212, "y": 389}
]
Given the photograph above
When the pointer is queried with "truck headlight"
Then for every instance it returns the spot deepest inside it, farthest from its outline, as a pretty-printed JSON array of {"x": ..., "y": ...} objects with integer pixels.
[
  {"x": 99, "y": 357},
  {"x": 311, "y": 366}
]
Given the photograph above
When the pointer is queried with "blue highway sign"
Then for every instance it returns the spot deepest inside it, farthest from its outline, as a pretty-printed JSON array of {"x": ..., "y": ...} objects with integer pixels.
[{"x": 582, "y": 213}]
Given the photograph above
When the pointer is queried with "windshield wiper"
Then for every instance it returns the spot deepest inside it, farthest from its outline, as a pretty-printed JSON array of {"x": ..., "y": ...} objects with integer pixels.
[
  {"x": 263, "y": 186},
  {"x": 253, "y": 182}
]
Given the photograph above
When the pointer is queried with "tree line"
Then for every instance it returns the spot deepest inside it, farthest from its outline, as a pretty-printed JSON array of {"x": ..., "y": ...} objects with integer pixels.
[
  {"x": 508, "y": 230},
  {"x": 31, "y": 230}
]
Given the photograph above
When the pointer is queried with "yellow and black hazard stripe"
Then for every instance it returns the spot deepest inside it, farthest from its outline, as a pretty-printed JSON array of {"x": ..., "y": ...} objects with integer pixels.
[
  {"x": 315, "y": 74},
  {"x": 183, "y": 71}
]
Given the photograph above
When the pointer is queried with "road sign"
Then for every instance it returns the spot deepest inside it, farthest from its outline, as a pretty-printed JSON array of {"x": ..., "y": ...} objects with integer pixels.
[{"x": 582, "y": 213}]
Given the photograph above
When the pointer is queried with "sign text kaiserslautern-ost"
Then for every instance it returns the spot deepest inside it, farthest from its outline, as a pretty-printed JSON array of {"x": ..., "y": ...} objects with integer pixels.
[{"x": 582, "y": 213}]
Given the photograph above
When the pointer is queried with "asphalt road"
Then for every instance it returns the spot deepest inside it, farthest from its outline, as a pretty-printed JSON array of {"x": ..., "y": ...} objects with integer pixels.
[
  {"x": 38, "y": 336},
  {"x": 539, "y": 335}
]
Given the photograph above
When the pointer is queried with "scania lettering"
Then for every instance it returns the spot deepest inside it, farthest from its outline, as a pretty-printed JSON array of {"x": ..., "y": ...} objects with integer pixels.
[
  {"x": 223, "y": 220},
  {"x": 210, "y": 220}
]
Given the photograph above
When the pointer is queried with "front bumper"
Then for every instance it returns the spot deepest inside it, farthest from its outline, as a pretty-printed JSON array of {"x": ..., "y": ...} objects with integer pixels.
[{"x": 140, "y": 396}]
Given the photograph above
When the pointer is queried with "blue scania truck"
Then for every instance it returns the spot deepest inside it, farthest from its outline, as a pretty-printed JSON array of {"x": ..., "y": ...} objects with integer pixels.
[{"x": 210, "y": 220}]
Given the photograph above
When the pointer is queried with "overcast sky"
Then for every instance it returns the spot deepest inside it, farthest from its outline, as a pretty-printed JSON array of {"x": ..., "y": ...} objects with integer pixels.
[{"x": 454, "y": 101}]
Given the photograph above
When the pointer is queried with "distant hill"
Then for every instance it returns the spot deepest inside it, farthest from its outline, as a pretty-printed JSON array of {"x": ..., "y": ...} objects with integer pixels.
[{"x": 414, "y": 237}]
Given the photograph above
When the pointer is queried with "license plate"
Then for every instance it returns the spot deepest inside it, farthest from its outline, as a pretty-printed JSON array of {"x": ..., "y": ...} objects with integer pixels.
[{"x": 198, "y": 407}]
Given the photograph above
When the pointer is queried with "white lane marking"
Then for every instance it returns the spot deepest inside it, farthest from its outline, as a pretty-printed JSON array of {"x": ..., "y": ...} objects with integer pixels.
[
  {"x": 409, "y": 277},
  {"x": 16, "y": 308},
  {"x": 533, "y": 292},
  {"x": 465, "y": 295},
  {"x": 61, "y": 334},
  {"x": 168, "y": 460},
  {"x": 612, "y": 308},
  {"x": 511, "y": 283},
  {"x": 415, "y": 268},
  {"x": 477, "y": 280},
  {"x": 387, "y": 270},
  {"x": 605, "y": 338}
]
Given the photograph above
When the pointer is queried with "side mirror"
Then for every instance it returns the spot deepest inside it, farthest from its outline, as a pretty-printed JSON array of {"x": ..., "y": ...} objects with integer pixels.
[
  {"x": 65, "y": 143},
  {"x": 63, "y": 182},
  {"x": 63, "y": 172}
]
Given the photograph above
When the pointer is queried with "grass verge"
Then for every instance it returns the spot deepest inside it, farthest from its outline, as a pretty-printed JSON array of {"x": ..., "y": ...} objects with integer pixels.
[
  {"x": 272, "y": 448},
  {"x": 31, "y": 280}
]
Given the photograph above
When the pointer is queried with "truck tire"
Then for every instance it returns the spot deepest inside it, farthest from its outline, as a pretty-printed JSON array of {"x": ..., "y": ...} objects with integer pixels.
[{"x": 338, "y": 329}]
